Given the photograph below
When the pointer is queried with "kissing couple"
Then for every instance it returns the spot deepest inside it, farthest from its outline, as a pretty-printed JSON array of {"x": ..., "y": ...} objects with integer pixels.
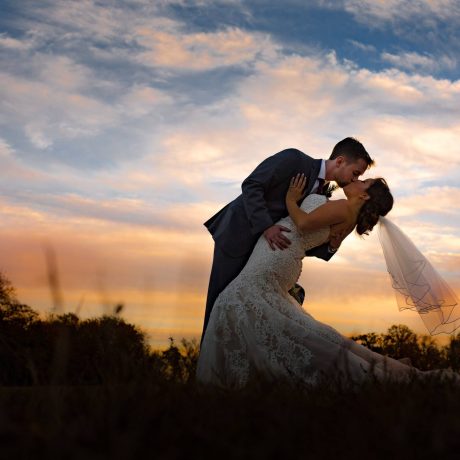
[{"x": 254, "y": 323}]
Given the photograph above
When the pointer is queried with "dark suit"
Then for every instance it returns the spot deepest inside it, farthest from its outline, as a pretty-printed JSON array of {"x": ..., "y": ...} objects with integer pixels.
[{"x": 237, "y": 227}]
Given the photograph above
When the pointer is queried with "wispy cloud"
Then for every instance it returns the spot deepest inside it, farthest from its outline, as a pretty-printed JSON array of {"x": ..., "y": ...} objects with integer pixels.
[
  {"x": 363, "y": 46},
  {"x": 401, "y": 10},
  {"x": 418, "y": 62},
  {"x": 202, "y": 51},
  {"x": 14, "y": 43}
]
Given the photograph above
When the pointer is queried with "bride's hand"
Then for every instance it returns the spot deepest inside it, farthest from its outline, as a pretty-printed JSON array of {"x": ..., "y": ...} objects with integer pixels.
[{"x": 296, "y": 188}]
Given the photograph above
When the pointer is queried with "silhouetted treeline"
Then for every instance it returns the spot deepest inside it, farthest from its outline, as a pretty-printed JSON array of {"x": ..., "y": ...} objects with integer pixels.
[
  {"x": 67, "y": 350},
  {"x": 399, "y": 342}
]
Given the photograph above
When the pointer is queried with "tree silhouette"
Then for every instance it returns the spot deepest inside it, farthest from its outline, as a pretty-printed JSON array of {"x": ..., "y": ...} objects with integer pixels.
[
  {"x": 453, "y": 352},
  {"x": 370, "y": 340},
  {"x": 400, "y": 342},
  {"x": 7, "y": 292}
]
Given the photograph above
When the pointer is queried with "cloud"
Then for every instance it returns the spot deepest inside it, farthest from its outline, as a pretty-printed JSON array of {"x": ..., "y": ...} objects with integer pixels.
[
  {"x": 417, "y": 62},
  {"x": 143, "y": 33},
  {"x": 141, "y": 100},
  {"x": 14, "y": 43},
  {"x": 363, "y": 46},
  {"x": 61, "y": 72},
  {"x": 314, "y": 102},
  {"x": 438, "y": 200},
  {"x": 401, "y": 10},
  {"x": 5, "y": 150},
  {"x": 135, "y": 212},
  {"x": 394, "y": 111},
  {"x": 61, "y": 95},
  {"x": 12, "y": 168},
  {"x": 83, "y": 18},
  {"x": 95, "y": 252},
  {"x": 62, "y": 101},
  {"x": 49, "y": 112},
  {"x": 201, "y": 51}
]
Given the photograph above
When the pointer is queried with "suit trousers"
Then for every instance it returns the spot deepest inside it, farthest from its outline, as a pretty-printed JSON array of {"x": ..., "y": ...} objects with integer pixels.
[{"x": 224, "y": 270}]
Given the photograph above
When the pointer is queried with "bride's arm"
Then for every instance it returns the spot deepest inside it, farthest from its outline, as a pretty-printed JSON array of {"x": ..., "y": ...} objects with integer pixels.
[{"x": 330, "y": 213}]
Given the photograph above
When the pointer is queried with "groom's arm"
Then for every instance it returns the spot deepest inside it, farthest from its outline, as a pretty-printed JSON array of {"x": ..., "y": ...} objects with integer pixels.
[
  {"x": 255, "y": 186},
  {"x": 322, "y": 252},
  {"x": 328, "y": 249}
]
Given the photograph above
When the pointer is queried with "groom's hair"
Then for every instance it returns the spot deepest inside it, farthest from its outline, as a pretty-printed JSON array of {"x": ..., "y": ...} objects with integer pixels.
[{"x": 352, "y": 150}]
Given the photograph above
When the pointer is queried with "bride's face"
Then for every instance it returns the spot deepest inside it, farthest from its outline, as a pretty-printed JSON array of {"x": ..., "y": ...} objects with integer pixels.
[{"x": 357, "y": 188}]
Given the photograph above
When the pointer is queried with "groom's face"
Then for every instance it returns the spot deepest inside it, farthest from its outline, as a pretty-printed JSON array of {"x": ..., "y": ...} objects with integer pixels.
[{"x": 348, "y": 170}]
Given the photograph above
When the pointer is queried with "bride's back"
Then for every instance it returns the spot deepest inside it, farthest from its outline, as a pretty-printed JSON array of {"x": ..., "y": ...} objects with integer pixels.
[{"x": 284, "y": 266}]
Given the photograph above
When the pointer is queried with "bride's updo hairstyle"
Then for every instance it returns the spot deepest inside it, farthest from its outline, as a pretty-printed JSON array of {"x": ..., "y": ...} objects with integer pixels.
[{"x": 379, "y": 204}]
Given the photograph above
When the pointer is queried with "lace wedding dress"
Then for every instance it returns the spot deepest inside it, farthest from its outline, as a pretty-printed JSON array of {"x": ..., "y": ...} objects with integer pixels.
[{"x": 257, "y": 328}]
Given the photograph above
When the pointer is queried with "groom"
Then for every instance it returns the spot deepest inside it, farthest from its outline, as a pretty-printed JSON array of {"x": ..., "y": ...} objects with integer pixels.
[{"x": 237, "y": 227}]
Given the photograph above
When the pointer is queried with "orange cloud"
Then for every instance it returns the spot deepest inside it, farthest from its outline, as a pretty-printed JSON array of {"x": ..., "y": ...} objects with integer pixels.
[{"x": 200, "y": 51}]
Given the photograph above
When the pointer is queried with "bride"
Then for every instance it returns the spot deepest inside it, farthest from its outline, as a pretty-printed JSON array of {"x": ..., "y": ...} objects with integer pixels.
[{"x": 257, "y": 329}]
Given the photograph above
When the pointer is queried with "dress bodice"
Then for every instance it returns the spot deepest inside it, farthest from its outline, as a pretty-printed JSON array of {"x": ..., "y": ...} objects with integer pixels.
[
  {"x": 308, "y": 240},
  {"x": 286, "y": 265},
  {"x": 309, "y": 204}
]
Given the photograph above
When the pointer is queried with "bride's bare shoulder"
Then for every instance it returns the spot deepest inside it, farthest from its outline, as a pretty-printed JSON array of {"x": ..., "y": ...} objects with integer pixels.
[
  {"x": 341, "y": 209},
  {"x": 338, "y": 205},
  {"x": 337, "y": 210},
  {"x": 340, "y": 202}
]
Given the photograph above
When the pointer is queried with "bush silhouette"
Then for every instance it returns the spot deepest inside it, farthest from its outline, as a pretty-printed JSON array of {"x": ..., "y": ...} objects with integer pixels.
[
  {"x": 423, "y": 352},
  {"x": 64, "y": 349}
]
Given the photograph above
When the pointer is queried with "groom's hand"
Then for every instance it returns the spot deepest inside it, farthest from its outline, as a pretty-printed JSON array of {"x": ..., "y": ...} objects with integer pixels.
[
  {"x": 335, "y": 241},
  {"x": 338, "y": 235},
  {"x": 275, "y": 237}
]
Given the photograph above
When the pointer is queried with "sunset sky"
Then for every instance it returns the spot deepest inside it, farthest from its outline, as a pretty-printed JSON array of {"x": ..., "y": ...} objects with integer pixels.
[{"x": 124, "y": 125}]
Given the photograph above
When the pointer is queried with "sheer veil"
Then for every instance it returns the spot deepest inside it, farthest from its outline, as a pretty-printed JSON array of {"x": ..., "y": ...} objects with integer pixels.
[{"x": 418, "y": 286}]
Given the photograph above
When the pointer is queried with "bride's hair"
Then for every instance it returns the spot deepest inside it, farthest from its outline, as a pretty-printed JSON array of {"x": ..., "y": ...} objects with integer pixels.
[{"x": 379, "y": 204}]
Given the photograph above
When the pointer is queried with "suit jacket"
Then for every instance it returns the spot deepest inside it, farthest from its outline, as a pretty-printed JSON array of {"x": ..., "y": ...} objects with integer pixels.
[{"x": 237, "y": 226}]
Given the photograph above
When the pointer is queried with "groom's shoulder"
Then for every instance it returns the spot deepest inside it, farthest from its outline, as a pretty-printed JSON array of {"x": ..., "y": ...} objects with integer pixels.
[
  {"x": 292, "y": 150},
  {"x": 294, "y": 153}
]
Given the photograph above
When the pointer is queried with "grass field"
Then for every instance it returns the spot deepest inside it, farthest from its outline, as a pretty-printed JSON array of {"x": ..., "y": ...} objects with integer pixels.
[{"x": 169, "y": 420}]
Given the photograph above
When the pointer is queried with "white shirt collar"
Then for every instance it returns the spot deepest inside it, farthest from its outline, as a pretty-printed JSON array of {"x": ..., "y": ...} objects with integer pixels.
[{"x": 322, "y": 170}]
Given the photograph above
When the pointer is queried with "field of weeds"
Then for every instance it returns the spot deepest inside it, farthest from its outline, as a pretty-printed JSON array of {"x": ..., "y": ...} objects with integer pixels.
[{"x": 168, "y": 420}]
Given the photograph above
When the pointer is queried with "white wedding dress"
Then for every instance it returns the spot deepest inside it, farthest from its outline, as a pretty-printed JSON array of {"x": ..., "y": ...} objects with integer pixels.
[{"x": 257, "y": 329}]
